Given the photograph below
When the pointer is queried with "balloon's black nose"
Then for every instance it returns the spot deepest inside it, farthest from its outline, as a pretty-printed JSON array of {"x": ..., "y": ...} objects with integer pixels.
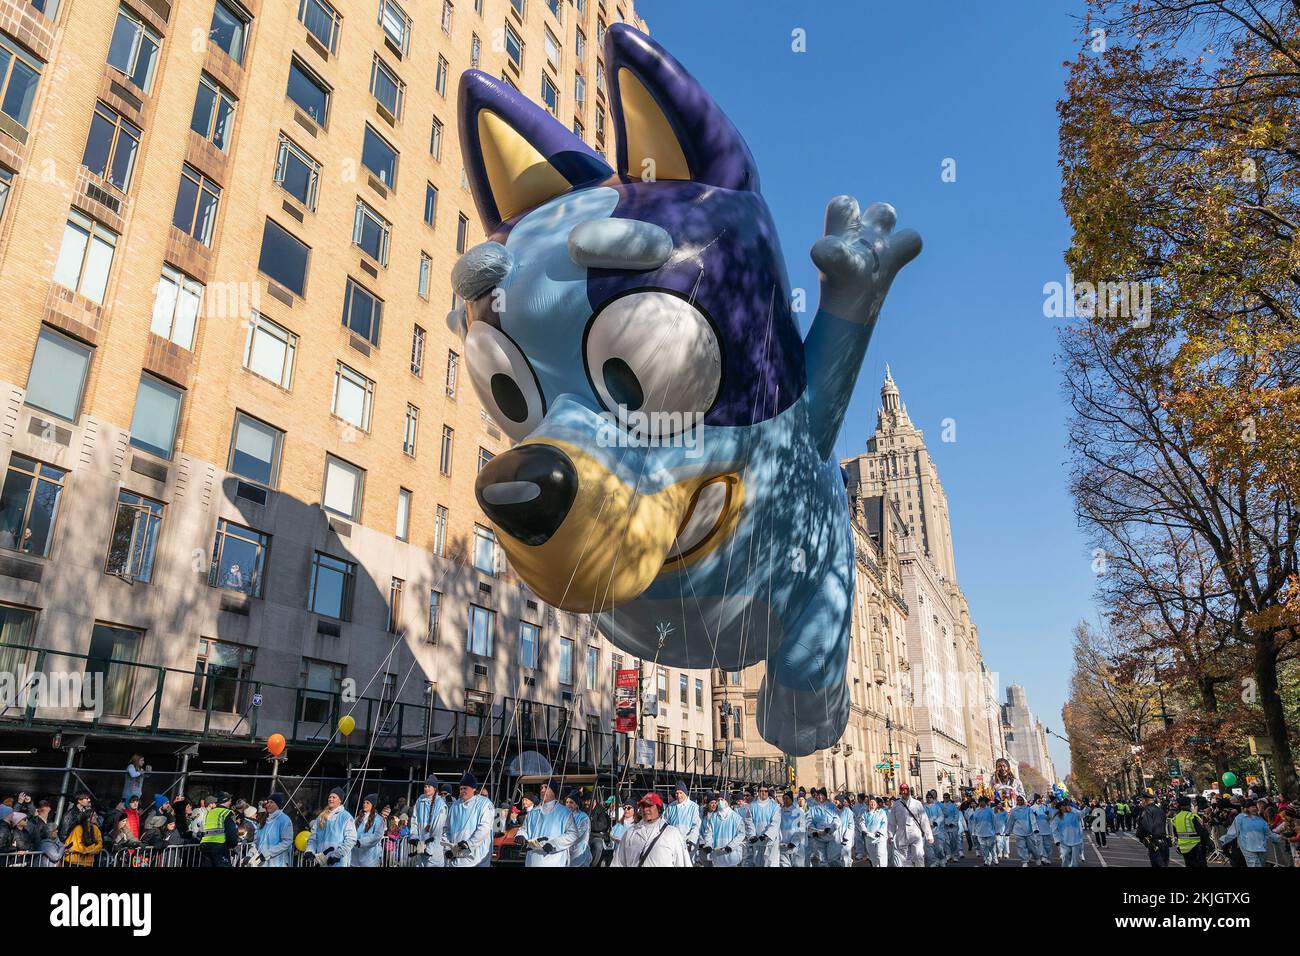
[{"x": 528, "y": 491}]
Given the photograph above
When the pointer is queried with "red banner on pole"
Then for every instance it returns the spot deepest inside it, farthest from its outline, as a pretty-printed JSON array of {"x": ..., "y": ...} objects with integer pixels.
[{"x": 626, "y": 689}]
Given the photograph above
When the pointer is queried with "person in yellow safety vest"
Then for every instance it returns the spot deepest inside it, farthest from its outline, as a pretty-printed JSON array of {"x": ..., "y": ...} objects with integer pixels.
[
  {"x": 219, "y": 833},
  {"x": 1191, "y": 834}
]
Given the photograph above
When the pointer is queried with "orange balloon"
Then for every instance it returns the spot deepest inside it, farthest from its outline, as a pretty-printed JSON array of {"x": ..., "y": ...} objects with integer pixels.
[{"x": 275, "y": 744}]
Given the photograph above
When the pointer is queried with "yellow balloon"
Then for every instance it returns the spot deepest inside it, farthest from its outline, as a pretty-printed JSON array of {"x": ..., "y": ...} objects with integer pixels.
[
  {"x": 300, "y": 841},
  {"x": 347, "y": 725}
]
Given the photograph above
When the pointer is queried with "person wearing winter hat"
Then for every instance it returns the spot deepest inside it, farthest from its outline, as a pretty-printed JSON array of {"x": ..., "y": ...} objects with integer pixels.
[
  {"x": 218, "y": 833},
  {"x": 274, "y": 838},
  {"x": 369, "y": 851},
  {"x": 794, "y": 832},
  {"x": 764, "y": 840},
  {"x": 333, "y": 832},
  {"x": 723, "y": 835},
  {"x": 549, "y": 831},
  {"x": 580, "y": 852},
  {"x": 467, "y": 840},
  {"x": 684, "y": 814},
  {"x": 428, "y": 822}
]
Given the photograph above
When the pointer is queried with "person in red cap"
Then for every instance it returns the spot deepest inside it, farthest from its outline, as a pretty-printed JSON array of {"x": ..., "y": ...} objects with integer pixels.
[{"x": 651, "y": 841}]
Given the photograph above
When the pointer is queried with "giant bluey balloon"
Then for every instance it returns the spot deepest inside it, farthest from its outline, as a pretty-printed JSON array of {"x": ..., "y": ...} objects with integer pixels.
[{"x": 632, "y": 330}]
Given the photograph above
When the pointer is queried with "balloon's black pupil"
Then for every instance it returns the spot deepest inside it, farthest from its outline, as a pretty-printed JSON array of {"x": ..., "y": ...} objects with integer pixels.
[
  {"x": 511, "y": 401},
  {"x": 621, "y": 383}
]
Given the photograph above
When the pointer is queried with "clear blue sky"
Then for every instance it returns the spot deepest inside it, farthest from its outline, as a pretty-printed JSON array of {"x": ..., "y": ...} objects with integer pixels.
[{"x": 884, "y": 94}]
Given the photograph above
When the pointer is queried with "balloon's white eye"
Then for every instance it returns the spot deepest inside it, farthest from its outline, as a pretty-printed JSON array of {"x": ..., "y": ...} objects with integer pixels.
[
  {"x": 654, "y": 353},
  {"x": 504, "y": 380}
]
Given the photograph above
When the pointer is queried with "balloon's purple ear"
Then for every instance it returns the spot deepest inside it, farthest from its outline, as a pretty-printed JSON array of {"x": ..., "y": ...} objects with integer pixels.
[
  {"x": 517, "y": 155},
  {"x": 666, "y": 125}
]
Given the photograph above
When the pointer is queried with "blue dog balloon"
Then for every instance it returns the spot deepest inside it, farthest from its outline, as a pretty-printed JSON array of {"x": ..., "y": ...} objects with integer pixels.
[{"x": 632, "y": 331}]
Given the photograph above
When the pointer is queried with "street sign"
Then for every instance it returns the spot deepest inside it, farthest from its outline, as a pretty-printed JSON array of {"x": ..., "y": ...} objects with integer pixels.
[
  {"x": 625, "y": 693},
  {"x": 1192, "y": 741},
  {"x": 257, "y": 700},
  {"x": 1261, "y": 747},
  {"x": 645, "y": 752}
]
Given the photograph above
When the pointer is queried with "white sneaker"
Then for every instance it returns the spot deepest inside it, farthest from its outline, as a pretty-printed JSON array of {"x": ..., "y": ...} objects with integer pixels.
[{"x": 1024, "y": 864}]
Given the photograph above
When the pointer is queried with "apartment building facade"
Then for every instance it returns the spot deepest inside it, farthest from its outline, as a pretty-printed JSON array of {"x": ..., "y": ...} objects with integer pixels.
[{"x": 240, "y": 450}]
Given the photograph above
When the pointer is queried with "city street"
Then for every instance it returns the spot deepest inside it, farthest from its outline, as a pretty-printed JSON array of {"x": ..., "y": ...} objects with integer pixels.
[{"x": 1122, "y": 849}]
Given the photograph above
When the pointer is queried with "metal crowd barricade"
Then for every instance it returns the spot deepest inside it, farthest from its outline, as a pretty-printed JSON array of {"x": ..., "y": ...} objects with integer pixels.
[{"x": 26, "y": 858}]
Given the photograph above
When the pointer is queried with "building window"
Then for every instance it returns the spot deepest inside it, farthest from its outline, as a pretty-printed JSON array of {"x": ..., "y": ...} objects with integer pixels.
[
  {"x": 485, "y": 549},
  {"x": 426, "y": 272},
  {"x": 440, "y": 531},
  {"x": 29, "y": 505},
  {"x": 58, "y": 376},
  {"x": 157, "y": 414},
  {"x": 353, "y": 397},
  {"x": 322, "y": 21},
  {"x": 6, "y": 183},
  {"x": 593, "y": 667},
  {"x": 699, "y": 694},
  {"x": 446, "y": 16},
  {"x": 615, "y": 665},
  {"x": 519, "y": 7},
  {"x": 85, "y": 257},
  {"x": 214, "y": 113},
  {"x": 238, "y": 559},
  {"x": 580, "y": 44},
  {"x": 550, "y": 94},
  {"x": 484, "y": 456},
  {"x": 370, "y": 233},
  {"x": 176, "y": 307},
  {"x": 683, "y": 690},
  {"x": 297, "y": 173},
  {"x": 600, "y": 77},
  {"x": 133, "y": 50},
  {"x": 566, "y": 661},
  {"x": 412, "y": 427},
  {"x": 111, "y": 147},
  {"x": 403, "y": 514},
  {"x": 322, "y": 683},
  {"x": 514, "y": 46},
  {"x": 362, "y": 312},
  {"x": 481, "y": 625},
  {"x": 417, "y": 352},
  {"x": 309, "y": 92},
  {"x": 733, "y": 678},
  {"x": 379, "y": 157},
  {"x": 284, "y": 258},
  {"x": 453, "y": 373},
  {"x": 112, "y": 655},
  {"x": 444, "y": 453},
  {"x": 600, "y": 121},
  {"x": 738, "y": 723},
  {"x": 435, "y": 606},
  {"x": 462, "y": 232},
  {"x": 529, "y": 642},
  {"x": 386, "y": 87},
  {"x": 17, "y": 628},
  {"x": 229, "y": 30},
  {"x": 435, "y": 139},
  {"x": 579, "y": 94},
  {"x": 440, "y": 76},
  {"x": 223, "y": 677},
  {"x": 396, "y": 24},
  {"x": 579, "y": 130},
  {"x": 551, "y": 46},
  {"x": 395, "y": 588},
  {"x": 134, "y": 540},
  {"x": 330, "y": 591},
  {"x": 475, "y": 51},
  {"x": 255, "y": 450},
  {"x": 270, "y": 350},
  {"x": 344, "y": 483},
  {"x": 430, "y": 204},
  {"x": 600, "y": 32},
  {"x": 662, "y": 683},
  {"x": 196, "y": 205}
]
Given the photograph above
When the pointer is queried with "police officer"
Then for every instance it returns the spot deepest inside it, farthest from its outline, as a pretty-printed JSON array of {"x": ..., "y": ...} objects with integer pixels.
[
  {"x": 1191, "y": 834},
  {"x": 219, "y": 832}
]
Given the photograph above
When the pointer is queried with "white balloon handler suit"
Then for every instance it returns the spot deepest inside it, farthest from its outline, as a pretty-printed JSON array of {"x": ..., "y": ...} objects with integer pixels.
[
  {"x": 652, "y": 844},
  {"x": 722, "y": 838},
  {"x": 467, "y": 841},
  {"x": 823, "y": 833},
  {"x": 875, "y": 836},
  {"x": 764, "y": 833},
  {"x": 911, "y": 830},
  {"x": 549, "y": 831},
  {"x": 428, "y": 824},
  {"x": 794, "y": 836}
]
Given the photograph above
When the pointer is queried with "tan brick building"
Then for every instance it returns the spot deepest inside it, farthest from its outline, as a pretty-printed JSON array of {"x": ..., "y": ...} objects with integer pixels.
[{"x": 240, "y": 450}]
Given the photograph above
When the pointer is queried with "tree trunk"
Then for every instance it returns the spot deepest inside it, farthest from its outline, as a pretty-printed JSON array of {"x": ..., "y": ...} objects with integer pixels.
[
  {"x": 1210, "y": 703},
  {"x": 1274, "y": 715}
]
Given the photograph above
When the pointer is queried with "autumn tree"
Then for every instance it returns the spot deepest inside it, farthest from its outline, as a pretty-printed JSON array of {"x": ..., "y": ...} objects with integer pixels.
[{"x": 1181, "y": 166}]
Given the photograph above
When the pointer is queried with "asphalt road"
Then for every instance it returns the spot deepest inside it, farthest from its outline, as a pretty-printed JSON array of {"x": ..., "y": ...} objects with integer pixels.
[{"x": 1122, "y": 849}]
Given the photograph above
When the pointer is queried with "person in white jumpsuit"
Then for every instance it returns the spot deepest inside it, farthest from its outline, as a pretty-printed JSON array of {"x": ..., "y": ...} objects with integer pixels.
[
  {"x": 428, "y": 821},
  {"x": 764, "y": 830},
  {"x": 875, "y": 834},
  {"x": 684, "y": 814},
  {"x": 823, "y": 831},
  {"x": 848, "y": 828},
  {"x": 794, "y": 831},
  {"x": 549, "y": 831},
  {"x": 936, "y": 852},
  {"x": 467, "y": 840},
  {"x": 651, "y": 841},
  {"x": 722, "y": 838},
  {"x": 912, "y": 832},
  {"x": 580, "y": 852}
]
